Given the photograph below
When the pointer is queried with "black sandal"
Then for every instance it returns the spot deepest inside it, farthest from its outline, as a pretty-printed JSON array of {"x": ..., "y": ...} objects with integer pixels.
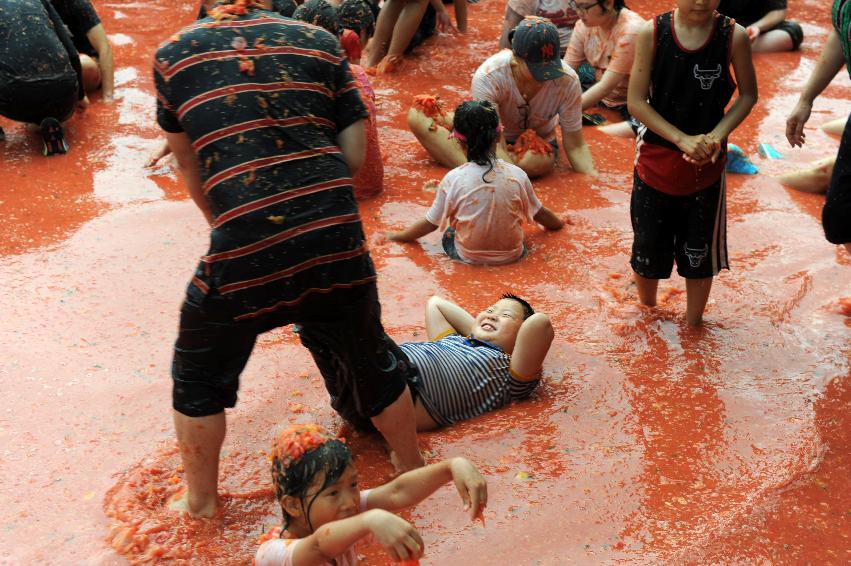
[{"x": 54, "y": 139}]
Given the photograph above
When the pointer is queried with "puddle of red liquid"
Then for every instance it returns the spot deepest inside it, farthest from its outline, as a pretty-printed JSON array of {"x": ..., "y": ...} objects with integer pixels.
[{"x": 648, "y": 442}]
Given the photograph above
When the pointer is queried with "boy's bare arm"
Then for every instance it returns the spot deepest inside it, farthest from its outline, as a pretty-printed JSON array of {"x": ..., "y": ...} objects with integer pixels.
[
  {"x": 746, "y": 78},
  {"x": 533, "y": 342},
  {"x": 187, "y": 163},
  {"x": 442, "y": 315},
  {"x": 412, "y": 487},
  {"x": 697, "y": 147}
]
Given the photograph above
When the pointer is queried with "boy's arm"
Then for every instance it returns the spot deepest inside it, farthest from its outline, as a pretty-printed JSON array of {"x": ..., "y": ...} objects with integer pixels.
[
  {"x": 416, "y": 230},
  {"x": 397, "y": 536},
  {"x": 829, "y": 64},
  {"x": 746, "y": 77},
  {"x": 187, "y": 163},
  {"x": 442, "y": 316},
  {"x": 412, "y": 487},
  {"x": 547, "y": 218},
  {"x": 533, "y": 342},
  {"x": 697, "y": 147},
  {"x": 97, "y": 37}
]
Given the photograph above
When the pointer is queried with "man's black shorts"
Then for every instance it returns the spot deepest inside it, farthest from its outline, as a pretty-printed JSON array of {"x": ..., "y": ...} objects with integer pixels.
[
  {"x": 836, "y": 214},
  {"x": 363, "y": 369},
  {"x": 690, "y": 228}
]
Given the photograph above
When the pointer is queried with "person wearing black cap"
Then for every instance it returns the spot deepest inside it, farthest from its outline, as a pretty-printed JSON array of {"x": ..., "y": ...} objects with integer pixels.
[{"x": 534, "y": 91}]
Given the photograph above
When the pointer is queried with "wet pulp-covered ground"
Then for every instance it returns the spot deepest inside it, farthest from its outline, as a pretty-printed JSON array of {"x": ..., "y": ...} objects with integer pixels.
[{"x": 649, "y": 443}]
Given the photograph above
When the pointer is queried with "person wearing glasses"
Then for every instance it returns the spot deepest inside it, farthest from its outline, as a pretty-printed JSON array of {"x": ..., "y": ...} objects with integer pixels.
[
  {"x": 533, "y": 90},
  {"x": 603, "y": 41},
  {"x": 562, "y": 13}
]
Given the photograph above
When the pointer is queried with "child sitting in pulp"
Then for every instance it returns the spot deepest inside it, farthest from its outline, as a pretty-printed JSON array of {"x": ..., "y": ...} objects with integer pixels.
[
  {"x": 484, "y": 201},
  {"x": 325, "y": 512}
]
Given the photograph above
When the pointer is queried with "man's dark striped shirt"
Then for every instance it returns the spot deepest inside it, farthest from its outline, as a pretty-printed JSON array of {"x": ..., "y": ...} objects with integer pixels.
[{"x": 263, "y": 98}]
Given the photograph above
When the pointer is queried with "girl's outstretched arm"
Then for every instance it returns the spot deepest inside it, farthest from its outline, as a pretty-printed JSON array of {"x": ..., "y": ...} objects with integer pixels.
[
  {"x": 547, "y": 218},
  {"x": 416, "y": 230},
  {"x": 412, "y": 487},
  {"x": 399, "y": 539}
]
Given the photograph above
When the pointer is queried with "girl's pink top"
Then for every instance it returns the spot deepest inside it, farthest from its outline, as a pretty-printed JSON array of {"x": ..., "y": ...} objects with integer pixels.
[{"x": 369, "y": 180}]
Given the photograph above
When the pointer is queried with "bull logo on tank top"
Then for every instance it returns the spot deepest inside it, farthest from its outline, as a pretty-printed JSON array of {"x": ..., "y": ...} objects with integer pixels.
[{"x": 707, "y": 76}]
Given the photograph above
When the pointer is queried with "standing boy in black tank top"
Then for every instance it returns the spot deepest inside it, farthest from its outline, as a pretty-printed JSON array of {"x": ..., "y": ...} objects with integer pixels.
[{"x": 679, "y": 87}]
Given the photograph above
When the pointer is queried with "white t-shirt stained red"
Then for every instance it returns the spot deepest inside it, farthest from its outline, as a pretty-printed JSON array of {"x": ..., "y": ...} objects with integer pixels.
[{"x": 487, "y": 215}]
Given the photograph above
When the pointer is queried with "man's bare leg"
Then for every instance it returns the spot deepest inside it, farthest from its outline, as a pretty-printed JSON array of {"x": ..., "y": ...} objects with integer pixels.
[
  {"x": 200, "y": 440},
  {"x": 397, "y": 423},
  {"x": 773, "y": 41},
  {"x": 618, "y": 129},
  {"x": 646, "y": 290},
  {"x": 697, "y": 293}
]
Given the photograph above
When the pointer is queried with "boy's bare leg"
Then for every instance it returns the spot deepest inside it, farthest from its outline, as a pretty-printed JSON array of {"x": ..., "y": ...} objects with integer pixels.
[
  {"x": 646, "y": 290},
  {"x": 619, "y": 129},
  {"x": 398, "y": 425},
  {"x": 387, "y": 18},
  {"x": 436, "y": 141},
  {"x": 835, "y": 127},
  {"x": 537, "y": 164},
  {"x": 406, "y": 26},
  {"x": 200, "y": 440},
  {"x": 814, "y": 179},
  {"x": 773, "y": 41},
  {"x": 697, "y": 293}
]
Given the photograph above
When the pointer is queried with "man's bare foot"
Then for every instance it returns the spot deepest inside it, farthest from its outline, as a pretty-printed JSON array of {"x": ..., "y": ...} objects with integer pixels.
[{"x": 180, "y": 502}]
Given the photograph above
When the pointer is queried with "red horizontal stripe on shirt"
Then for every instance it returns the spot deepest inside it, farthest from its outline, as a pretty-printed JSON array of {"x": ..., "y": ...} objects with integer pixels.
[
  {"x": 307, "y": 292},
  {"x": 282, "y": 197},
  {"x": 222, "y": 176},
  {"x": 282, "y": 237},
  {"x": 172, "y": 70},
  {"x": 247, "y": 87},
  {"x": 290, "y": 271},
  {"x": 257, "y": 124}
]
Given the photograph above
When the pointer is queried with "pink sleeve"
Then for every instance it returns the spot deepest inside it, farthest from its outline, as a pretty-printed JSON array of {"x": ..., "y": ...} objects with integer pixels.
[
  {"x": 276, "y": 552},
  {"x": 624, "y": 51},
  {"x": 570, "y": 110},
  {"x": 524, "y": 7},
  {"x": 575, "y": 55}
]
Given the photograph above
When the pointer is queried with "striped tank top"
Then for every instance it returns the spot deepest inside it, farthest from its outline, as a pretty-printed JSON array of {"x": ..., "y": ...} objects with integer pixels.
[{"x": 460, "y": 378}]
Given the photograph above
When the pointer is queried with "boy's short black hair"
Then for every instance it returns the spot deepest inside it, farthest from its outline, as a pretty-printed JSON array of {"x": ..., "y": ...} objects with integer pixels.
[{"x": 527, "y": 308}]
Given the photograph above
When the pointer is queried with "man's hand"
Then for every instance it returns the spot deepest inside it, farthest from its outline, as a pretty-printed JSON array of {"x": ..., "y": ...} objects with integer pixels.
[
  {"x": 444, "y": 22},
  {"x": 795, "y": 123},
  {"x": 471, "y": 486}
]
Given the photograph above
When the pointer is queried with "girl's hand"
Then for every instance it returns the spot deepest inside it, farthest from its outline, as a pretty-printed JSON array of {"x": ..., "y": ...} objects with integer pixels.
[
  {"x": 795, "y": 123},
  {"x": 399, "y": 539},
  {"x": 471, "y": 486}
]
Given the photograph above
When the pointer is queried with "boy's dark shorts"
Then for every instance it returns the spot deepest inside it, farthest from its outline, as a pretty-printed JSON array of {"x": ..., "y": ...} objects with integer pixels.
[
  {"x": 690, "y": 228},
  {"x": 836, "y": 214},
  {"x": 342, "y": 329},
  {"x": 794, "y": 30}
]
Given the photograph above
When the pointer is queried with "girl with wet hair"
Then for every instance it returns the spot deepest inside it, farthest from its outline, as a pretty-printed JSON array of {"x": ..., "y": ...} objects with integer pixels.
[
  {"x": 325, "y": 513},
  {"x": 481, "y": 204}
]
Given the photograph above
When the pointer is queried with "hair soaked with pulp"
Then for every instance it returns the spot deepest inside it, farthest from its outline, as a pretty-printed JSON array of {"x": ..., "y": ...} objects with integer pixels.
[
  {"x": 527, "y": 308},
  {"x": 478, "y": 121}
]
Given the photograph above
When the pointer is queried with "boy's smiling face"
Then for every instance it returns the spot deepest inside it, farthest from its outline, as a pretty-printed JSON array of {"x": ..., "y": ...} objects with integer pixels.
[{"x": 499, "y": 324}]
